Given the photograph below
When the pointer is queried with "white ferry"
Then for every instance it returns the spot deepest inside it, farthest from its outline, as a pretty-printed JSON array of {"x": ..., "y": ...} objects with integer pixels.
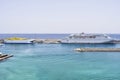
[
  {"x": 87, "y": 38},
  {"x": 18, "y": 40}
]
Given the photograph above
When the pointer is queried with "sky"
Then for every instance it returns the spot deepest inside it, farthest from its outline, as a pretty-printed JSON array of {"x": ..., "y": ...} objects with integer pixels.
[{"x": 59, "y": 16}]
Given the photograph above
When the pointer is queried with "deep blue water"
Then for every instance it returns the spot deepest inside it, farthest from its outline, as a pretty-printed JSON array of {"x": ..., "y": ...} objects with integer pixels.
[
  {"x": 59, "y": 62},
  {"x": 45, "y": 36},
  {"x": 36, "y": 36}
]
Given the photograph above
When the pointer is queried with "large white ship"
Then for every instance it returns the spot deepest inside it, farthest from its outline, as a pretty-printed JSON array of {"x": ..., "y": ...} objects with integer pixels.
[
  {"x": 18, "y": 40},
  {"x": 87, "y": 38}
]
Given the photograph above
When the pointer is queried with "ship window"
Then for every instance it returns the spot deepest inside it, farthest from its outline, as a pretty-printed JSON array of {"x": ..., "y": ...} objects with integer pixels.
[
  {"x": 106, "y": 37},
  {"x": 70, "y": 36},
  {"x": 91, "y": 36}
]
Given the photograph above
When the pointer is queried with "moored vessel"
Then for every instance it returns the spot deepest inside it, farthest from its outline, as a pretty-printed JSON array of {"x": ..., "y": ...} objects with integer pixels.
[
  {"x": 18, "y": 40},
  {"x": 87, "y": 38}
]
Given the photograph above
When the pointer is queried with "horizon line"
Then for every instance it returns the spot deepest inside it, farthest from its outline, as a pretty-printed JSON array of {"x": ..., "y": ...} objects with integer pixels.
[{"x": 61, "y": 33}]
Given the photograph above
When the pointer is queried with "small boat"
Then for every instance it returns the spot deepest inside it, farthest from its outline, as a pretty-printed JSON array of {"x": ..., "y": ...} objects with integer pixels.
[
  {"x": 4, "y": 56},
  {"x": 87, "y": 38},
  {"x": 18, "y": 40}
]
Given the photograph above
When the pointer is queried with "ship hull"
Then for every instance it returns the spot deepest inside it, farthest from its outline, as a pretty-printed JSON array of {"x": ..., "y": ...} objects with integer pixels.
[
  {"x": 86, "y": 41},
  {"x": 18, "y": 41}
]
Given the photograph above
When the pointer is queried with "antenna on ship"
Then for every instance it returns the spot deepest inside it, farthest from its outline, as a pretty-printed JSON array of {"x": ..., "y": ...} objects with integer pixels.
[{"x": 82, "y": 33}]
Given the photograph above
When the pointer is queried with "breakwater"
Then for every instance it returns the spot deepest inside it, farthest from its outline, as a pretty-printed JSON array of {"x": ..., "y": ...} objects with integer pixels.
[
  {"x": 97, "y": 49},
  {"x": 47, "y": 41},
  {"x": 53, "y": 41}
]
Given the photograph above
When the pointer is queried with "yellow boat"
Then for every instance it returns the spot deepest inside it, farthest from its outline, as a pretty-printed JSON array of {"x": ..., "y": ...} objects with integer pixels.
[{"x": 18, "y": 40}]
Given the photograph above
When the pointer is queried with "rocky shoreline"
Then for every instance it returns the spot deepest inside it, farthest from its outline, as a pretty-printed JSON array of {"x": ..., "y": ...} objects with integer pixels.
[{"x": 48, "y": 41}]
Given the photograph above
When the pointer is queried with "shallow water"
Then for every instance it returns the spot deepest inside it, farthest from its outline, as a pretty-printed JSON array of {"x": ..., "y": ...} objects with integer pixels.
[{"x": 59, "y": 62}]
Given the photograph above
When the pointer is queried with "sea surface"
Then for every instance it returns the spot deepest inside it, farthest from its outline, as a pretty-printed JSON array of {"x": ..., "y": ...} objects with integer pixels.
[{"x": 59, "y": 62}]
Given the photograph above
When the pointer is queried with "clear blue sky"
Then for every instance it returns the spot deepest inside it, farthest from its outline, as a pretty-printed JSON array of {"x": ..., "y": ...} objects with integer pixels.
[{"x": 59, "y": 16}]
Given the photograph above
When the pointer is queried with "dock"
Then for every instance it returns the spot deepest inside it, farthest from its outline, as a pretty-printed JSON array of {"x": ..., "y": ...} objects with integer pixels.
[
  {"x": 97, "y": 49},
  {"x": 4, "y": 56}
]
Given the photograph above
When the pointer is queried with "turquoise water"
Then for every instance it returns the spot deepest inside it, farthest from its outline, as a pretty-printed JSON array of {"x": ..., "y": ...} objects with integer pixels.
[{"x": 59, "y": 62}]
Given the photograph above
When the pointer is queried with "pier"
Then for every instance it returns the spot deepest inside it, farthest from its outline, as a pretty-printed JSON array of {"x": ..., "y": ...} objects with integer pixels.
[{"x": 97, "y": 49}]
